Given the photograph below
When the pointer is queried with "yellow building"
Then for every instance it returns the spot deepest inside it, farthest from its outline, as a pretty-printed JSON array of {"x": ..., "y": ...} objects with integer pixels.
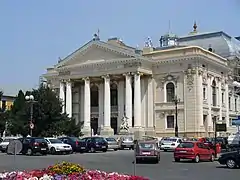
[{"x": 6, "y": 102}]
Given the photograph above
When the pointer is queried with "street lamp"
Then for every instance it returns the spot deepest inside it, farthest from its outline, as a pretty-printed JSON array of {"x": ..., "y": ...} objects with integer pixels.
[
  {"x": 30, "y": 99},
  {"x": 176, "y": 100}
]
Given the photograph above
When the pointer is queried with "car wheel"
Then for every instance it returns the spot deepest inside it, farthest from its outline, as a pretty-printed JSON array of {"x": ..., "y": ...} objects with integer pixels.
[
  {"x": 197, "y": 159},
  {"x": 231, "y": 164},
  {"x": 29, "y": 152},
  {"x": 92, "y": 150},
  {"x": 165, "y": 150},
  {"x": 212, "y": 158},
  {"x": 122, "y": 147},
  {"x": 156, "y": 160},
  {"x": 115, "y": 149},
  {"x": 53, "y": 150},
  {"x": 104, "y": 150},
  {"x": 177, "y": 159}
]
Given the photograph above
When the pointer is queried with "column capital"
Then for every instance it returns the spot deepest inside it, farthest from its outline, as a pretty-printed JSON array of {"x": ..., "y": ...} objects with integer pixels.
[
  {"x": 68, "y": 80},
  {"x": 62, "y": 80},
  {"x": 106, "y": 76},
  {"x": 137, "y": 73},
  {"x": 127, "y": 74},
  {"x": 86, "y": 79}
]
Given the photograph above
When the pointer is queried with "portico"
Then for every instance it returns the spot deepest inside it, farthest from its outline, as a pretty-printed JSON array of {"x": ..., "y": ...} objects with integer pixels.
[{"x": 128, "y": 87}]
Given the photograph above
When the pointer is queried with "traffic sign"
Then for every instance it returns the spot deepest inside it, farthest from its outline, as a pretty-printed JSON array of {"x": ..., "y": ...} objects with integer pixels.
[{"x": 31, "y": 125}]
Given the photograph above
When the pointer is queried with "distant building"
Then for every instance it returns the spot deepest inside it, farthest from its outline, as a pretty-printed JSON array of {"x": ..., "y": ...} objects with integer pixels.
[{"x": 7, "y": 102}]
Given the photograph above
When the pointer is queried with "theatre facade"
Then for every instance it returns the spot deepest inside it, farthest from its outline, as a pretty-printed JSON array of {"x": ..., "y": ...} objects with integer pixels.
[{"x": 102, "y": 82}]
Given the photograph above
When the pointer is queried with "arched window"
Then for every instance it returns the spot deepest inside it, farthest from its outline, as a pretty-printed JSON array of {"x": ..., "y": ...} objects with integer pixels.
[
  {"x": 214, "y": 93},
  {"x": 170, "y": 92}
]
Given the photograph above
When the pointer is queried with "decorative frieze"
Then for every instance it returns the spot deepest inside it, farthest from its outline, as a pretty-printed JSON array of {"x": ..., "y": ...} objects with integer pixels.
[
  {"x": 190, "y": 78},
  {"x": 64, "y": 73}
]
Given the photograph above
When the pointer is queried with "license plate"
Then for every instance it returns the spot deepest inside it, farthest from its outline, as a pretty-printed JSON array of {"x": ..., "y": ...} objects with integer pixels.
[
  {"x": 103, "y": 146},
  {"x": 145, "y": 153},
  {"x": 43, "y": 149},
  {"x": 82, "y": 147},
  {"x": 128, "y": 146},
  {"x": 183, "y": 151}
]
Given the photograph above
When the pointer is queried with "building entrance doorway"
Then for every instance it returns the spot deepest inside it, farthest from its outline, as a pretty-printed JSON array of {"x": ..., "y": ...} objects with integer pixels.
[
  {"x": 114, "y": 124},
  {"x": 94, "y": 125}
]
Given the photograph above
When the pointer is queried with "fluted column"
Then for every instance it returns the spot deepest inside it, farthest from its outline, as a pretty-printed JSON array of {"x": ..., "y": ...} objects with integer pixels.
[
  {"x": 87, "y": 103},
  {"x": 128, "y": 98},
  {"x": 107, "y": 101},
  {"x": 69, "y": 98},
  {"x": 137, "y": 100},
  {"x": 62, "y": 95},
  {"x": 100, "y": 105}
]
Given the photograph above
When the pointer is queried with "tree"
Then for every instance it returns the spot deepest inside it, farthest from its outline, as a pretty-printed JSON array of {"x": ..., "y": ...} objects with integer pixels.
[
  {"x": 3, "y": 117},
  {"x": 47, "y": 115},
  {"x": 18, "y": 118}
]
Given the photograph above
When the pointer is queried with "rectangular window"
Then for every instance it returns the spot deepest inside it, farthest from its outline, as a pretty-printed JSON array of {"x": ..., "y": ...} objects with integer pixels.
[
  {"x": 235, "y": 104},
  {"x": 230, "y": 122},
  {"x": 204, "y": 93},
  {"x": 222, "y": 97},
  {"x": 170, "y": 121},
  {"x": 223, "y": 119},
  {"x": 229, "y": 103},
  {"x": 205, "y": 121}
]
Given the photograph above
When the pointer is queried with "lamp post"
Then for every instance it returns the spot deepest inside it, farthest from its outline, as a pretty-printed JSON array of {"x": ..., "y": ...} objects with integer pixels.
[
  {"x": 30, "y": 99},
  {"x": 176, "y": 101}
]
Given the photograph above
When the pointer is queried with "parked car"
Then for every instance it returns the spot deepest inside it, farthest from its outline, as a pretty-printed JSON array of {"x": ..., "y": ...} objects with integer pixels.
[
  {"x": 170, "y": 143},
  {"x": 5, "y": 142},
  {"x": 56, "y": 146},
  {"x": 230, "y": 159},
  {"x": 95, "y": 143},
  {"x": 147, "y": 150},
  {"x": 77, "y": 144},
  {"x": 33, "y": 145},
  {"x": 126, "y": 142},
  {"x": 196, "y": 151},
  {"x": 112, "y": 143}
]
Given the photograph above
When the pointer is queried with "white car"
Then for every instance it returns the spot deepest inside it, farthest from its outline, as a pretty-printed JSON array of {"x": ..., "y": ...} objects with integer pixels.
[
  {"x": 170, "y": 143},
  {"x": 57, "y": 146},
  {"x": 5, "y": 142}
]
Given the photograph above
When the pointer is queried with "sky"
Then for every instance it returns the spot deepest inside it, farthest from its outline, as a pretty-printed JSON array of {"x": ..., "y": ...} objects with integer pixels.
[{"x": 34, "y": 34}]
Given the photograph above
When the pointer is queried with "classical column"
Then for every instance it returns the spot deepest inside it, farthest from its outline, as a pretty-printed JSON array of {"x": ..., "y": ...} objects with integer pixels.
[
  {"x": 69, "y": 98},
  {"x": 87, "y": 104},
  {"x": 220, "y": 98},
  {"x": 150, "y": 109},
  {"x": 101, "y": 105},
  {"x": 107, "y": 130},
  {"x": 128, "y": 98},
  {"x": 62, "y": 95},
  {"x": 107, "y": 101},
  {"x": 226, "y": 96},
  {"x": 120, "y": 103},
  {"x": 209, "y": 93},
  {"x": 137, "y": 100}
]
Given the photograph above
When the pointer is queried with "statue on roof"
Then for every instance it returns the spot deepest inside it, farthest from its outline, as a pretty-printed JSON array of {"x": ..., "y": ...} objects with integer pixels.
[
  {"x": 124, "y": 124},
  {"x": 96, "y": 36},
  {"x": 148, "y": 42}
]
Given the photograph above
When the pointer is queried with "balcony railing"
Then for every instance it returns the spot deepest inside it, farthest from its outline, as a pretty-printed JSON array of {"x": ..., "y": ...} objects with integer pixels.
[{"x": 96, "y": 109}]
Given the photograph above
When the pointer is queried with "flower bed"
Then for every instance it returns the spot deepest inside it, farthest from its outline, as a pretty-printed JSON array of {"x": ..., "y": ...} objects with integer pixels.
[{"x": 66, "y": 171}]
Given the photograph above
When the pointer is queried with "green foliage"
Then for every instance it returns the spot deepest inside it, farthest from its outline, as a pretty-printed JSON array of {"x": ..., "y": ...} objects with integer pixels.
[
  {"x": 47, "y": 115},
  {"x": 3, "y": 117}
]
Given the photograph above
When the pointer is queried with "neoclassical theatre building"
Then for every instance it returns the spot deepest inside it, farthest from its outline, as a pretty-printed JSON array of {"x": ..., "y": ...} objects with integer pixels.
[{"x": 102, "y": 82}]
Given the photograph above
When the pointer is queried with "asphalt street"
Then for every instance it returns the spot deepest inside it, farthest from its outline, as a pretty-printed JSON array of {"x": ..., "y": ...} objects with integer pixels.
[{"x": 121, "y": 161}]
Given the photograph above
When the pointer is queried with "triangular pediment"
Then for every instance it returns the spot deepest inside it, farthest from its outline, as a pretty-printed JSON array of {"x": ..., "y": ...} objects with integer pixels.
[{"x": 96, "y": 51}]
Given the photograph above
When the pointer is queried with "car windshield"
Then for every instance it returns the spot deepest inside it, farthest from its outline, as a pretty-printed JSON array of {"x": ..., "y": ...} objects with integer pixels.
[
  {"x": 55, "y": 141},
  {"x": 146, "y": 145},
  {"x": 169, "y": 139},
  {"x": 40, "y": 140},
  {"x": 99, "y": 139},
  {"x": 110, "y": 139},
  {"x": 186, "y": 145},
  {"x": 7, "y": 140},
  {"x": 127, "y": 139}
]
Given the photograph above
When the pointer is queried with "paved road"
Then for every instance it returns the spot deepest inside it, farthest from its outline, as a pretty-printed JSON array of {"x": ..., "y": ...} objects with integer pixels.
[{"x": 121, "y": 161}]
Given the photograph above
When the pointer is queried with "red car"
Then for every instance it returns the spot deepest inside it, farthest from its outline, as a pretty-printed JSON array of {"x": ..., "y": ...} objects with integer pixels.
[{"x": 196, "y": 151}]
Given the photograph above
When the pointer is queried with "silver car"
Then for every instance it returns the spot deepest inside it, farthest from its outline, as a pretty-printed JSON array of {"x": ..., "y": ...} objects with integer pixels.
[
  {"x": 126, "y": 142},
  {"x": 112, "y": 143}
]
